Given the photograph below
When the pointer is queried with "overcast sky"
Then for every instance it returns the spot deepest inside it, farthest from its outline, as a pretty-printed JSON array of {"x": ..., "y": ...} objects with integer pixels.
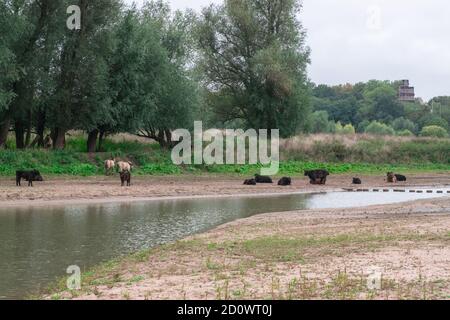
[{"x": 359, "y": 40}]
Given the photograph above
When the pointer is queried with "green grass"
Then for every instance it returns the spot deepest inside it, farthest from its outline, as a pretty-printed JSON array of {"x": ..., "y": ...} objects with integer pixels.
[{"x": 366, "y": 157}]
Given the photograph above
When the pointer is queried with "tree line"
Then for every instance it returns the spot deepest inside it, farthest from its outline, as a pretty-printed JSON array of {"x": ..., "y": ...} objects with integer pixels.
[
  {"x": 150, "y": 70},
  {"x": 374, "y": 107}
]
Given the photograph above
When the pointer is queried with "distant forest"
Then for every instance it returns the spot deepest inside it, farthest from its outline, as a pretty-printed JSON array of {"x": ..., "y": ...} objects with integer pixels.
[{"x": 374, "y": 107}]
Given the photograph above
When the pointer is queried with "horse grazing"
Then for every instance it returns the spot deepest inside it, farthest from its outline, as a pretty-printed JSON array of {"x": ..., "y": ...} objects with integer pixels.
[
  {"x": 109, "y": 166},
  {"x": 124, "y": 166}
]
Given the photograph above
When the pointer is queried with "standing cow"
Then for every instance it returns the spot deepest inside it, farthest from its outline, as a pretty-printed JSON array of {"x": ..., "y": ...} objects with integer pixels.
[
  {"x": 317, "y": 176},
  {"x": 30, "y": 176},
  {"x": 125, "y": 176}
]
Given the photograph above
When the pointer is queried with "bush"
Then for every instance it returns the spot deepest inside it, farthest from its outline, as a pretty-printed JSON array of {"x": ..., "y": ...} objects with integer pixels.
[
  {"x": 433, "y": 120},
  {"x": 403, "y": 124},
  {"x": 347, "y": 129},
  {"x": 434, "y": 131},
  {"x": 405, "y": 133},
  {"x": 379, "y": 128},
  {"x": 320, "y": 123},
  {"x": 361, "y": 128}
]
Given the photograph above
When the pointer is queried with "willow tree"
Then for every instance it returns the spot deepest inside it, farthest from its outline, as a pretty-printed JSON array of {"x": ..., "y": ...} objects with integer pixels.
[
  {"x": 82, "y": 95},
  {"x": 25, "y": 23},
  {"x": 8, "y": 68},
  {"x": 254, "y": 60},
  {"x": 169, "y": 93}
]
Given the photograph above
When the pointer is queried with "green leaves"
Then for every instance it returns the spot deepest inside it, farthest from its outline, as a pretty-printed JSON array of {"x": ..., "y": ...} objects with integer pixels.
[{"x": 253, "y": 57}]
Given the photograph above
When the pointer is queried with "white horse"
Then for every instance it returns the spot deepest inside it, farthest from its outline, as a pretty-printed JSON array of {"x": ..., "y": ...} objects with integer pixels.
[
  {"x": 124, "y": 166},
  {"x": 109, "y": 166}
]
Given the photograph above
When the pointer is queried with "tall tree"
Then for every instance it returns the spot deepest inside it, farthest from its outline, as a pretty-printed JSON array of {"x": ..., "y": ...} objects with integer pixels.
[
  {"x": 168, "y": 90},
  {"x": 27, "y": 22},
  {"x": 254, "y": 59},
  {"x": 82, "y": 84}
]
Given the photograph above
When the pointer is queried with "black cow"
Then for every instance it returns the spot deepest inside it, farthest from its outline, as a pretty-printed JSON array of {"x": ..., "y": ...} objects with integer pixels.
[
  {"x": 30, "y": 176},
  {"x": 400, "y": 177},
  {"x": 285, "y": 181},
  {"x": 250, "y": 182},
  {"x": 317, "y": 176},
  {"x": 262, "y": 179},
  {"x": 125, "y": 176},
  {"x": 357, "y": 181}
]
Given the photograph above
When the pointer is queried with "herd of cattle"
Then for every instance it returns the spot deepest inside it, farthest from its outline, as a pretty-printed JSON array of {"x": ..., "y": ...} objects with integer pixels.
[{"x": 316, "y": 177}]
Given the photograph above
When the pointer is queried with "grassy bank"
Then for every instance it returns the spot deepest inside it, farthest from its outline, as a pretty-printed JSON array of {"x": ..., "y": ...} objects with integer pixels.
[{"x": 338, "y": 154}]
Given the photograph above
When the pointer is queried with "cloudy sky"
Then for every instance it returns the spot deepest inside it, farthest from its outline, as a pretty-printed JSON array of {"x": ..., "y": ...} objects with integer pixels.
[{"x": 359, "y": 40}]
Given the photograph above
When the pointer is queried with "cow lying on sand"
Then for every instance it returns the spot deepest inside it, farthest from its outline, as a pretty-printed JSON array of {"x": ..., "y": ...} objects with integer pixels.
[
  {"x": 125, "y": 176},
  {"x": 262, "y": 179},
  {"x": 317, "y": 176},
  {"x": 391, "y": 178},
  {"x": 30, "y": 176},
  {"x": 285, "y": 181},
  {"x": 250, "y": 182}
]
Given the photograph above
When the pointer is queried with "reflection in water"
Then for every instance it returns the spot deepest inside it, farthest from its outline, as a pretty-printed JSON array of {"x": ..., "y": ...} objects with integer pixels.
[{"x": 38, "y": 244}]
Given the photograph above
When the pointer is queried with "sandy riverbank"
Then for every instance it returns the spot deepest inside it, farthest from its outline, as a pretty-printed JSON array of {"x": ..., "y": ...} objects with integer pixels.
[
  {"x": 325, "y": 254},
  {"x": 300, "y": 255},
  {"x": 100, "y": 189}
]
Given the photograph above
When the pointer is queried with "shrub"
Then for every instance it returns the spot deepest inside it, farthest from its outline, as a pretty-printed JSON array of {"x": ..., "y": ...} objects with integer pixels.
[
  {"x": 347, "y": 129},
  {"x": 434, "y": 131},
  {"x": 403, "y": 124},
  {"x": 361, "y": 128},
  {"x": 379, "y": 128},
  {"x": 405, "y": 133},
  {"x": 433, "y": 120},
  {"x": 320, "y": 123}
]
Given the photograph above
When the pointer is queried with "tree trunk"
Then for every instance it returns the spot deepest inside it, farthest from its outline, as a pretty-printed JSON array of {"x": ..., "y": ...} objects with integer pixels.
[
  {"x": 40, "y": 128},
  {"x": 60, "y": 139},
  {"x": 161, "y": 138},
  {"x": 30, "y": 124},
  {"x": 4, "y": 129},
  {"x": 92, "y": 141},
  {"x": 19, "y": 130},
  {"x": 100, "y": 141},
  {"x": 168, "y": 135}
]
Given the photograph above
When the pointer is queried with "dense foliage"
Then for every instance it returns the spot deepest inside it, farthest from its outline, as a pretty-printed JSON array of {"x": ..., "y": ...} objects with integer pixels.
[
  {"x": 374, "y": 107},
  {"x": 125, "y": 70}
]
